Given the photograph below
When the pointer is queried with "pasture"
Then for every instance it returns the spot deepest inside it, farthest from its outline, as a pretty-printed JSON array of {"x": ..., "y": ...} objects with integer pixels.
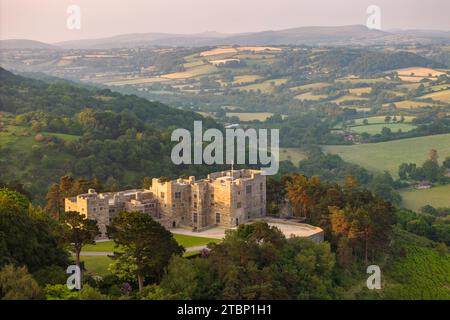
[
  {"x": 377, "y": 128},
  {"x": 244, "y": 116},
  {"x": 265, "y": 87},
  {"x": 389, "y": 155},
  {"x": 443, "y": 96},
  {"x": 438, "y": 197},
  {"x": 294, "y": 155},
  {"x": 311, "y": 97}
]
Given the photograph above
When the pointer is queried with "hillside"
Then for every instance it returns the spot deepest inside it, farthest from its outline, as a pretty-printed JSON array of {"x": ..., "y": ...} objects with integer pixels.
[
  {"x": 53, "y": 129},
  {"x": 26, "y": 44},
  {"x": 314, "y": 35}
]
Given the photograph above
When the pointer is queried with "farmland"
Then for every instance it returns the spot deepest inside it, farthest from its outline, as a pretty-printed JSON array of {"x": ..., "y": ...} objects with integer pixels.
[
  {"x": 438, "y": 197},
  {"x": 261, "y": 116},
  {"x": 377, "y": 128},
  {"x": 294, "y": 155},
  {"x": 387, "y": 156}
]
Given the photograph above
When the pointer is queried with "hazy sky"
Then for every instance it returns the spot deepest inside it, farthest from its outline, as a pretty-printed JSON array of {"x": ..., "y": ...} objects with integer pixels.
[{"x": 45, "y": 20}]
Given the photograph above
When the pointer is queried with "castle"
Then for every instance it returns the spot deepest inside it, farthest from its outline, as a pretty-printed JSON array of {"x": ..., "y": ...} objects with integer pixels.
[{"x": 225, "y": 198}]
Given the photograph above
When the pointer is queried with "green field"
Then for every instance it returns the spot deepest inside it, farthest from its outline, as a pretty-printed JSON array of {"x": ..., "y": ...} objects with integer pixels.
[
  {"x": 438, "y": 197},
  {"x": 250, "y": 116},
  {"x": 389, "y": 155},
  {"x": 377, "y": 128},
  {"x": 265, "y": 86},
  {"x": 294, "y": 155},
  {"x": 97, "y": 265},
  {"x": 443, "y": 96},
  {"x": 380, "y": 119}
]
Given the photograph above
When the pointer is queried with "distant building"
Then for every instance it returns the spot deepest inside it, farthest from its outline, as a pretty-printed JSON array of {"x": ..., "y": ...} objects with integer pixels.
[
  {"x": 226, "y": 198},
  {"x": 423, "y": 185}
]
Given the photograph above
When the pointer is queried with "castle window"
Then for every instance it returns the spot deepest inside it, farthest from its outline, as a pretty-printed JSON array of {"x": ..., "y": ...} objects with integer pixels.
[
  {"x": 174, "y": 206},
  {"x": 248, "y": 189},
  {"x": 162, "y": 195},
  {"x": 195, "y": 217},
  {"x": 217, "y": 217},
  {"x": 212, "y": 195},
  {"x": 177, "y": 195},
  {"x": 195, "y": 204},
  {"x": 238, "y": 205}
]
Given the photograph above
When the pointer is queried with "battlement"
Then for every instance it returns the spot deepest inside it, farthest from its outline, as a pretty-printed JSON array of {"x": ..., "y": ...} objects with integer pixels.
[{"x": 225, "y": 198}]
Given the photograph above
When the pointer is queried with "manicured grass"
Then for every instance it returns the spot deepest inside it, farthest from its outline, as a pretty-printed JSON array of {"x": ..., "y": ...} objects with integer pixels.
[
  {"x": 294, "y": 155},
  {"x": 184, "y": 240},
  {"x": 107, "y": 246},
  {"x": 97, "y": 265},
  {"x": 389, "y": 155},
  {"x": 377, "y": 128},
  {"x": 191, "y": 241},
  {"x": 436, "y": 197},
  {"x": 244, "y": 116}
]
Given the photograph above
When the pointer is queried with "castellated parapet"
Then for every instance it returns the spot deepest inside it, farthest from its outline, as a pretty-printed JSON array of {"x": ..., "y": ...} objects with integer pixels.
[{"x": 226, "y": 198}]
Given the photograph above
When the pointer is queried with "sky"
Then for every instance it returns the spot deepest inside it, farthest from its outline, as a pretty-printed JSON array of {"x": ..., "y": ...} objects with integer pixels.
[{"x": 46, "y": 20}]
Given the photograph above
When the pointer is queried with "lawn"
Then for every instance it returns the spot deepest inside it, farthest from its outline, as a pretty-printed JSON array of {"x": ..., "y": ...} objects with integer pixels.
[
  {"x": 251, "y": 116},
  {"x": 376, "y": 128},
  {"x": 184, "y": 240},
  {"x": 436, "y": 197},
  {"x": 97, "y": 265},
  {"x": 389, "y": 155}
]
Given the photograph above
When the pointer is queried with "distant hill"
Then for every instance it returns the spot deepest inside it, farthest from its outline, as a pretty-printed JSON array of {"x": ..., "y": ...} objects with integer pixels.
[
  {"x": 339, "y": 35},
  {"x": 322, "y": 36},
  {"x": 25, "y": 44}
]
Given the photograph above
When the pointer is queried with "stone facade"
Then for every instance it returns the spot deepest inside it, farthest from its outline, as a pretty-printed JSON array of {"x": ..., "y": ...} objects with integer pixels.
[{"x": 226, "y": 199}]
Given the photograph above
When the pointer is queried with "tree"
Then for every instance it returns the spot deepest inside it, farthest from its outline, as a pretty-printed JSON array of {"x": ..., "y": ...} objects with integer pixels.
[
  {"x": 431, "y": 170},
  {"x": 17, "y": 284},
  {"x": 29, "y": 236},
  {"x": 146, "y": 241},
  {"x": 446, "y": 163},
  {"x": 433, "y": 155},
  {"x": 81, "y": 231}
]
